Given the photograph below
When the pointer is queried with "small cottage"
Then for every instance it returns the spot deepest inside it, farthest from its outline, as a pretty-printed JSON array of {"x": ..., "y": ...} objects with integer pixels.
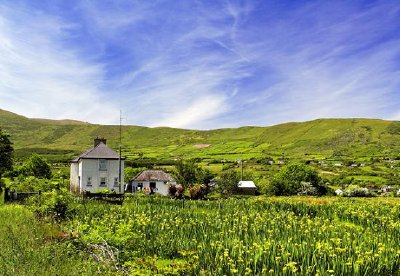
[
  {"x": 97, "y": 169},
  {"x": 153, "y": 181},
  {"x": 247, "y": 187}
]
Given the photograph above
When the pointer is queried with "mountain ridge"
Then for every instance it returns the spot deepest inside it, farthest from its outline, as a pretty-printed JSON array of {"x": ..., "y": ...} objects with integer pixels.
[{"x": 319, "y": 138}]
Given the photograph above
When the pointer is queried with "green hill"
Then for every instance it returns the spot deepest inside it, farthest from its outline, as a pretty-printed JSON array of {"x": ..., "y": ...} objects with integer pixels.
[{"x": 322, "y": 138}]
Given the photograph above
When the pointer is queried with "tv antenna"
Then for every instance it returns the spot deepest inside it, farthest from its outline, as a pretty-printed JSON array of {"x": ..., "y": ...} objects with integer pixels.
[{"x": 120, "y": 152}]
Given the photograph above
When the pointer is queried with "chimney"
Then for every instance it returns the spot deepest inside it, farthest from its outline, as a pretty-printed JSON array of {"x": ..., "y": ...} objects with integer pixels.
[{"x": 99, "y": 140}]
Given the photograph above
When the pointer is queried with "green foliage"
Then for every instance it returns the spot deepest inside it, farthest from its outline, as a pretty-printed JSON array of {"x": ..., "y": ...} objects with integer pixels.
[
  {"x": 156, "y": 266},
  {"x": 188, "y": 173},
  {"x": 130, "y": 172},
  {"x": 289, "y": 181},
  {"x": 204, "y": 176},
  {"x": 54, "y": 204},
  {"x": 33, "y": 247},
  {"x": 263, "y": 186},
  {"x": 306, "y": 189},
  {"x": 356, "y": 191},
  {"x": 198, "y": 191},
  {"x": 227, "y": 182},
  {"x": 6, "y": 150},
  {"x": 258, "y": 236},
  {"x": 64, "y": 140},
  {"x": 394, "y": 128},
  {"x": 31, "y": 184},
  {"x": 36, "y": 166}
]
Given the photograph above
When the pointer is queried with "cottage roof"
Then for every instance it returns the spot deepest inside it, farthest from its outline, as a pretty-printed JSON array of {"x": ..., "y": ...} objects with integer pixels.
[
  {"x": 246, "y": 184},
  {"x": 153, "y": 175},
  {"x": 101, "y": 151}
]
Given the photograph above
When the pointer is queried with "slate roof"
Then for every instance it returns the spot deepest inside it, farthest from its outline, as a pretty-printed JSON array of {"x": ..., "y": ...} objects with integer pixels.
[
  {"x": 154, "y": 175},
  {"x": 101, "y": 151},
  {"x": 246, "y": 184}
]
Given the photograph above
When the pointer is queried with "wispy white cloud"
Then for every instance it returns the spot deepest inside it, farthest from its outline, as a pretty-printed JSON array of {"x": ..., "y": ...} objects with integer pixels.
[
  {"x": 334, "y": 68},
  {"x": 195, "y": 112},
  {"x": 197, "y": 64},
  {"x": 188, "y": 83},
  {"x": 41, "y": 78}
]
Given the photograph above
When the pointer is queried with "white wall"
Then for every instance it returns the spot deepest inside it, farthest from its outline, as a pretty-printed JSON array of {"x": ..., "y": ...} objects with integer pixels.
[
  {"x": 73, "y": 179},
  {"x": 162, "y": 188},
  {"x": 90, "y": 168}
]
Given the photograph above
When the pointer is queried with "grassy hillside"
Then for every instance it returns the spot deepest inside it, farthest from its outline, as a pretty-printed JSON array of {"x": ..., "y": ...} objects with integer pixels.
[{"x": 322, "y": 138}]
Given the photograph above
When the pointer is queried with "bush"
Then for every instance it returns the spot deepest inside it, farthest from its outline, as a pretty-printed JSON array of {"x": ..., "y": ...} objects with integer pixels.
[
  {"x": 198, "y": 191},
  {"x": 356, "y": 191},
  {"x": 54, "y": 204},
  {"x": 290, "y": 178},
  {"x": 172, "y": 190},
  {"x": 36, "y": 166},
  {"x": 263, "y": 186},
  {"x": 306, "y": 189},
  {"x": 176, "y": 191},
  {"x": 31, "y": 184},
  {"x": 227, "y": 183}
]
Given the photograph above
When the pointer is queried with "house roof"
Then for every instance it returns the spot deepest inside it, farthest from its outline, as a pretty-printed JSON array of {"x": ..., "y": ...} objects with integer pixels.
[
  {"x": 101, "y": 151},
  {"x": 246, "y": 184},
  {"x": 153, "y": 175}
]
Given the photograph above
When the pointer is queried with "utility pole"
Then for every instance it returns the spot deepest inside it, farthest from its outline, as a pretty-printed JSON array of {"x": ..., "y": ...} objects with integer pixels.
[
  {"x": 241, "y": 168},
  {"x": 120, "y": 153},
  {"x": 241, "y": 175}
]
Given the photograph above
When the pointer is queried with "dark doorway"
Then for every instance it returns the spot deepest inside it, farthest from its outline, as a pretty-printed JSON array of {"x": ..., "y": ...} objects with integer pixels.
[{"x": 152, "y": 187}]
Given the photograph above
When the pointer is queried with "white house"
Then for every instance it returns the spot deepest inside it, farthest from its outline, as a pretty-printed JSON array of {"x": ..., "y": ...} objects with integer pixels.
[
  {"x": 97, "y": 169},
  {"x": 247, "y": 187},
  {"x": 154, "y": 181}
]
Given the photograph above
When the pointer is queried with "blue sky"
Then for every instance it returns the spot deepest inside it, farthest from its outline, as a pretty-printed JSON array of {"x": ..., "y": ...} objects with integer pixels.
[{"x": 200, "y": 64}]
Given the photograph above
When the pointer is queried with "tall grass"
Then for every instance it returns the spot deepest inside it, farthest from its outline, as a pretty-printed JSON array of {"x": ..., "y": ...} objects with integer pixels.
[
  {"x": 31, "y": 247},
  {"x": 276, "y": 236}
]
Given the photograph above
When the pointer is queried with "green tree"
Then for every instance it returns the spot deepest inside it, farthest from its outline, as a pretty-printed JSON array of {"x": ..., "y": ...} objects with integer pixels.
[
  {"x": 6, "y": 150},
  {"x": 186, "y": 172},
  {"x": 204, "y": 176},
  {"x": 290, "y": 180},
  {"x": 36, "y": 166},
  {"x": 227, "y": 182}
]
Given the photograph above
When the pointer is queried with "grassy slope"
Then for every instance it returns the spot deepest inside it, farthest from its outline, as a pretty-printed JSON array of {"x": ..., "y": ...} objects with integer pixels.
[{"x": 319, "y": 138}]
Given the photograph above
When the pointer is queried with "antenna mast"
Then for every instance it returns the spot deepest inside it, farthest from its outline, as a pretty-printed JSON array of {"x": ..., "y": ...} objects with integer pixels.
[{"x": 120, "y": 153}]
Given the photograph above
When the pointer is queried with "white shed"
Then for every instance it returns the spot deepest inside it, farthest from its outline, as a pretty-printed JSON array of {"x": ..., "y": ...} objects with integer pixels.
[{"x": 247, "y": 187}]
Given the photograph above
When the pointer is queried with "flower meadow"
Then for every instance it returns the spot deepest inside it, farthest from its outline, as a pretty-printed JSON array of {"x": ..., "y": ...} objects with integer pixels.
[{"x": 253, "y": 236}]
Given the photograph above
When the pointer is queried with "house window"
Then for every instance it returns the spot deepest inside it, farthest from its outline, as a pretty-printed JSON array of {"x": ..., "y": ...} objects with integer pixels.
[
  {"x": 103, "y": 181},
  {"x": 89, "y": 181},
  {"x": 116, "y": 182},
  {"x": 102, "y": 164}
]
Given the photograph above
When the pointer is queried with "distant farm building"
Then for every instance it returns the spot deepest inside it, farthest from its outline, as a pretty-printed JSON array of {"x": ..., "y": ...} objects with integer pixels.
[
  {"x": 339, "y": 192},
  {"x": 97, "y": 169},
  {"x": 152, "y": 181},
  {"x": 247, "y": 187}
]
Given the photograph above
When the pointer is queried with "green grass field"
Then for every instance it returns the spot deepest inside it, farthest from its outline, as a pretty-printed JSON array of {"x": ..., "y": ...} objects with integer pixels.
[
  {"x": 318, "y": 139},
  {"x": 253, "y": 236}
]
